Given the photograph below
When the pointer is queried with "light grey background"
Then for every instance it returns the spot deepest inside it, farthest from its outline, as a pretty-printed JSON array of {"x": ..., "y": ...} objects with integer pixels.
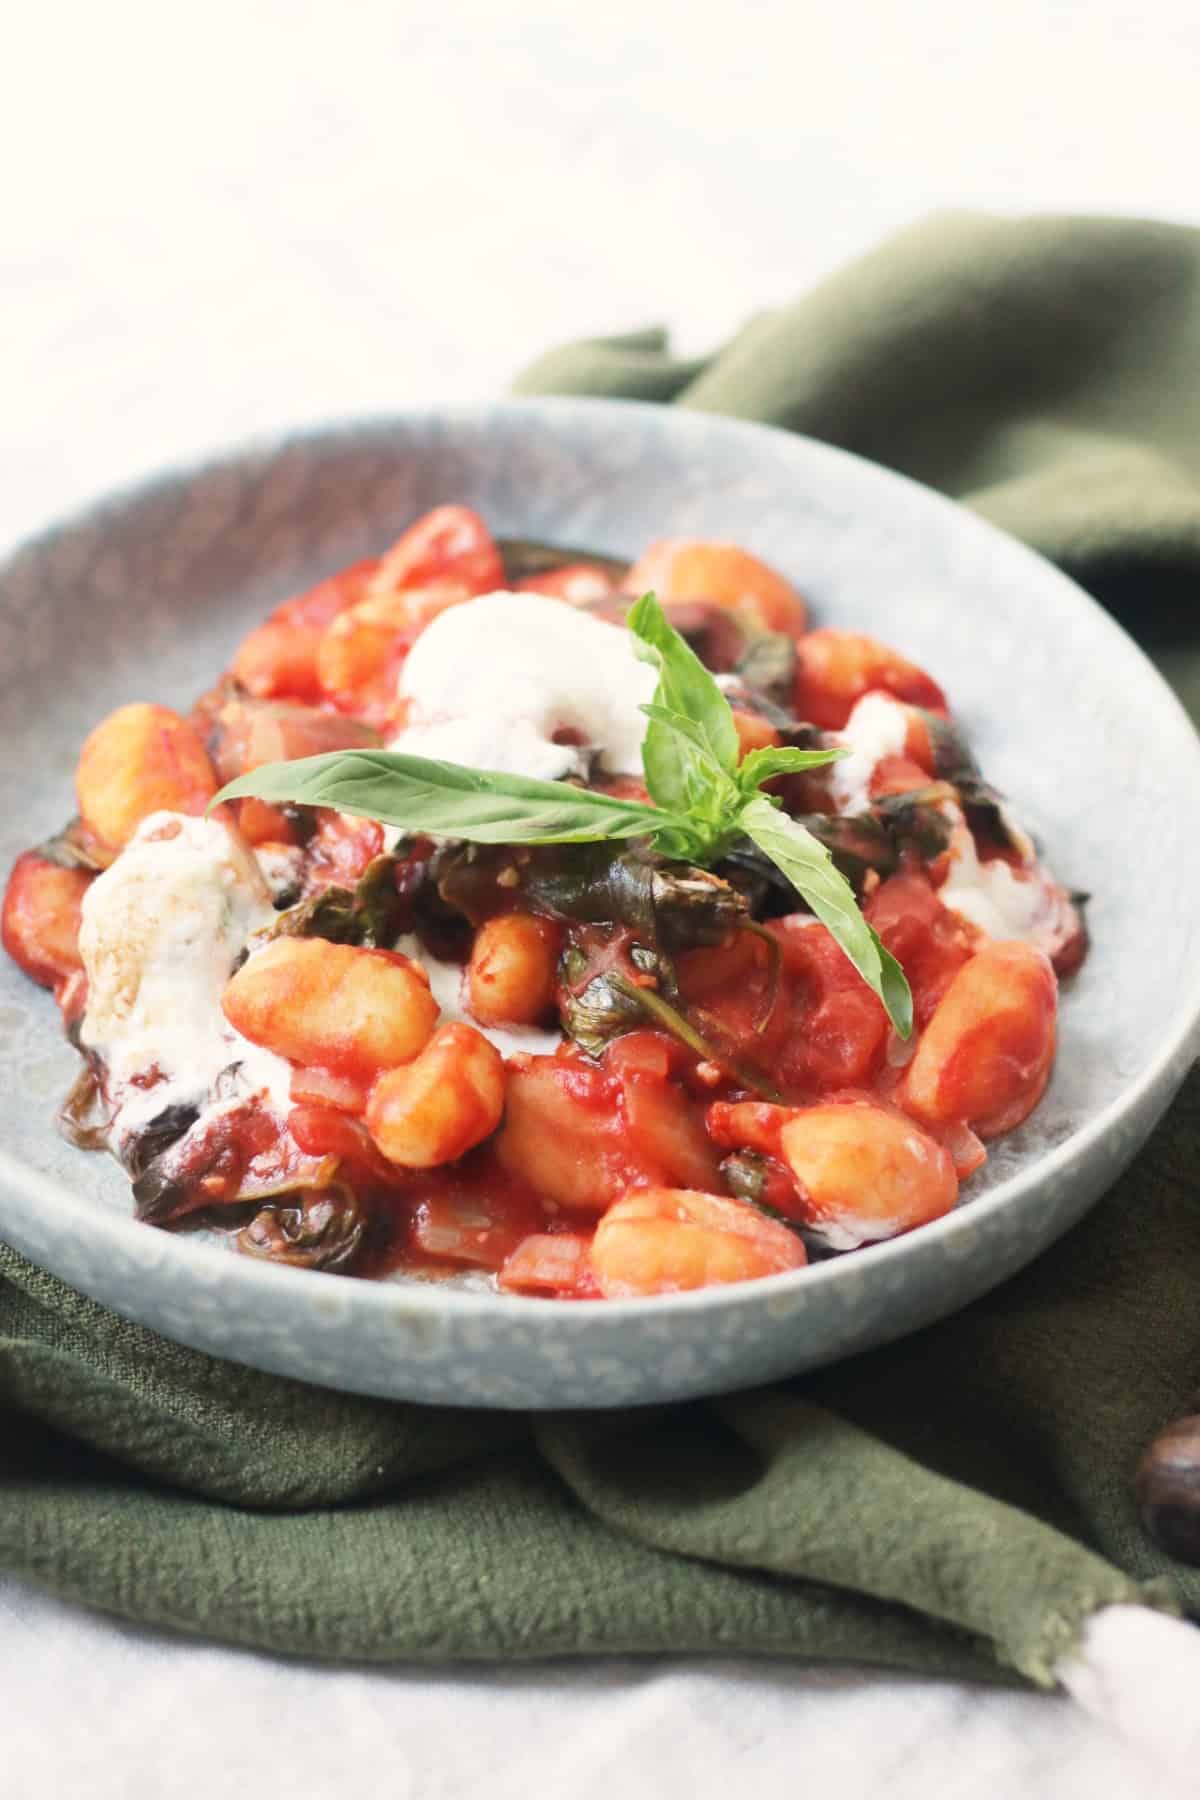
[{"x": 220, "y": 220}]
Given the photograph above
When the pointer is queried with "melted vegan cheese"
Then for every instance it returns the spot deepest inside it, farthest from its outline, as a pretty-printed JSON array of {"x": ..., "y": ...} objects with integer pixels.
[
  {"x": 877, "y": 727},
  {"x": 1002, "y": 901},
  {"x": 161, "y": 932},
  {"x": 998, "y": 899},
  {"x": 991, "y": 895},
  {"x": 489, "y": 684}
]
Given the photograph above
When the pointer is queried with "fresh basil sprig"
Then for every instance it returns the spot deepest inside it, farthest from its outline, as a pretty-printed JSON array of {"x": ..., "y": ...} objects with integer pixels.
[
  {"x": 690, "y": 756},
  {"x": 704, "y": 799}
]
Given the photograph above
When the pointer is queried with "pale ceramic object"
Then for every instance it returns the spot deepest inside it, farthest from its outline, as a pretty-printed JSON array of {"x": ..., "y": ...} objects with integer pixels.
[{"x": 146, "y": 596}]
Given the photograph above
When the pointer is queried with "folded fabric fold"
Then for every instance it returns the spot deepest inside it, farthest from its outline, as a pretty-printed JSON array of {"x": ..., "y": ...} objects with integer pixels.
[
  {"x": 1042, "y": 370},
  {"x": 960, "y": 1502}
]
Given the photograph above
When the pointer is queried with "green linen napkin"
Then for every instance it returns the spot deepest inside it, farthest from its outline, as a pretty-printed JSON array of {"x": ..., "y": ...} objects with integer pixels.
[{"x": 957, "y": 1503}]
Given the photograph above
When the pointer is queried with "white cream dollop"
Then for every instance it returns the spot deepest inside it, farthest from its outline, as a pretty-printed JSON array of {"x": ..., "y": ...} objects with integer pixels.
[
  {"x": 161, "y": 931},
  {"x": 490, "y": 682},
  {"x": 999, "y": 899},
  {"x": 1024, "y": 902},
  {"x": 877, "y": 727}
]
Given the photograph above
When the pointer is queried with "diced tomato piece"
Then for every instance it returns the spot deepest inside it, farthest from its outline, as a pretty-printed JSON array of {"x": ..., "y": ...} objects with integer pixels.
[
  {"x": 450, "y": 545},
  {"x": 813, "y": 1026},
  {"x": 340, "y": 850},
  {"x": 279, "y": 661},
  {"x": 753, "y": 731},
  {"x": 318, "y": 605},
  {"x": 747, "y": 1125},
  {"x": 325, "y": 1087},
  {"x": 40, "y": 925},
  {"x": 930, "y": 943},
  {"x": 324, "y": 1131},
  {"x": 836, "y": 668},
  {"x": 648, "y": 1054},
  {"x": 838, "y": 1027},
  {"x": 897, "y": 775},
  {"x": 551, "y": 1263},
  {"x": 738, "y": 968},
  {"x": 261, "y": 823},
  {"x": 965, "y": 1149},
  {"x": 463, "y": 1216},
  {"x": 248, "y": 733}
]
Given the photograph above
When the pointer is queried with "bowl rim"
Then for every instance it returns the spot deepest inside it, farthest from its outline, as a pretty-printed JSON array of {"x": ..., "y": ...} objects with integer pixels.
[{"x": 108, "y": 1228}]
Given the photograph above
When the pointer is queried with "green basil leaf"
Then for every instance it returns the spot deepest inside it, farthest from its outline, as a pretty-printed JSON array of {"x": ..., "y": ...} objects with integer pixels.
[
  {"x": 894, "y": 990},
  {"x": 712, "y": 797},
  {"x": 758, "y": 766},
  {"x": 686, "y": 689},
  {"x": 368, "y": 914},
  {"x": 667, "y": 768},
  {"x": 445, "y": 800},
  {"x": 686, "y": 728},
  {"x": 673, "y": 768},
  {"x": 810, "y": 869}
]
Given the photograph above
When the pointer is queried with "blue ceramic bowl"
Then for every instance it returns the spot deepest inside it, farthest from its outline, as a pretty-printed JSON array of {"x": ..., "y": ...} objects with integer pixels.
[{"x": 146, "y": 596}]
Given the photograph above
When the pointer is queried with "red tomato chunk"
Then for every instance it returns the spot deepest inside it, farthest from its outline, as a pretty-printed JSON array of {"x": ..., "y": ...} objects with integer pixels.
[{"x": 41, "y": 918}]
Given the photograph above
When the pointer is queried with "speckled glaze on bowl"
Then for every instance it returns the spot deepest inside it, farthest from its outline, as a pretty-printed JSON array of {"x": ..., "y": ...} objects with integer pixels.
[{"x": 146, "y": 596}]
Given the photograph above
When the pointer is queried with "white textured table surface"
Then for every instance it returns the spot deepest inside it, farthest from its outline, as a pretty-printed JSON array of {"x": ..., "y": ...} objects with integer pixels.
[{"x": 221, "y": 220}]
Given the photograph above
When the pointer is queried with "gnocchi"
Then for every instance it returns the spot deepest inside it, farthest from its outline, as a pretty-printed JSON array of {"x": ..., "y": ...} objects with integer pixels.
[
  {"x": 985, "y": 1057},
  {"x": 697, "y": 569},
  {"x": 447, "y": 1100},
  {"x": 511, "y": 974},
  {"x": 357, "y": 1012},
  {"x": 666, "y": 1240},
  {"x": 596, "y": 1072},
  {"x": 864, "y": 1172},
  {"x": 142, "y": 759}
]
